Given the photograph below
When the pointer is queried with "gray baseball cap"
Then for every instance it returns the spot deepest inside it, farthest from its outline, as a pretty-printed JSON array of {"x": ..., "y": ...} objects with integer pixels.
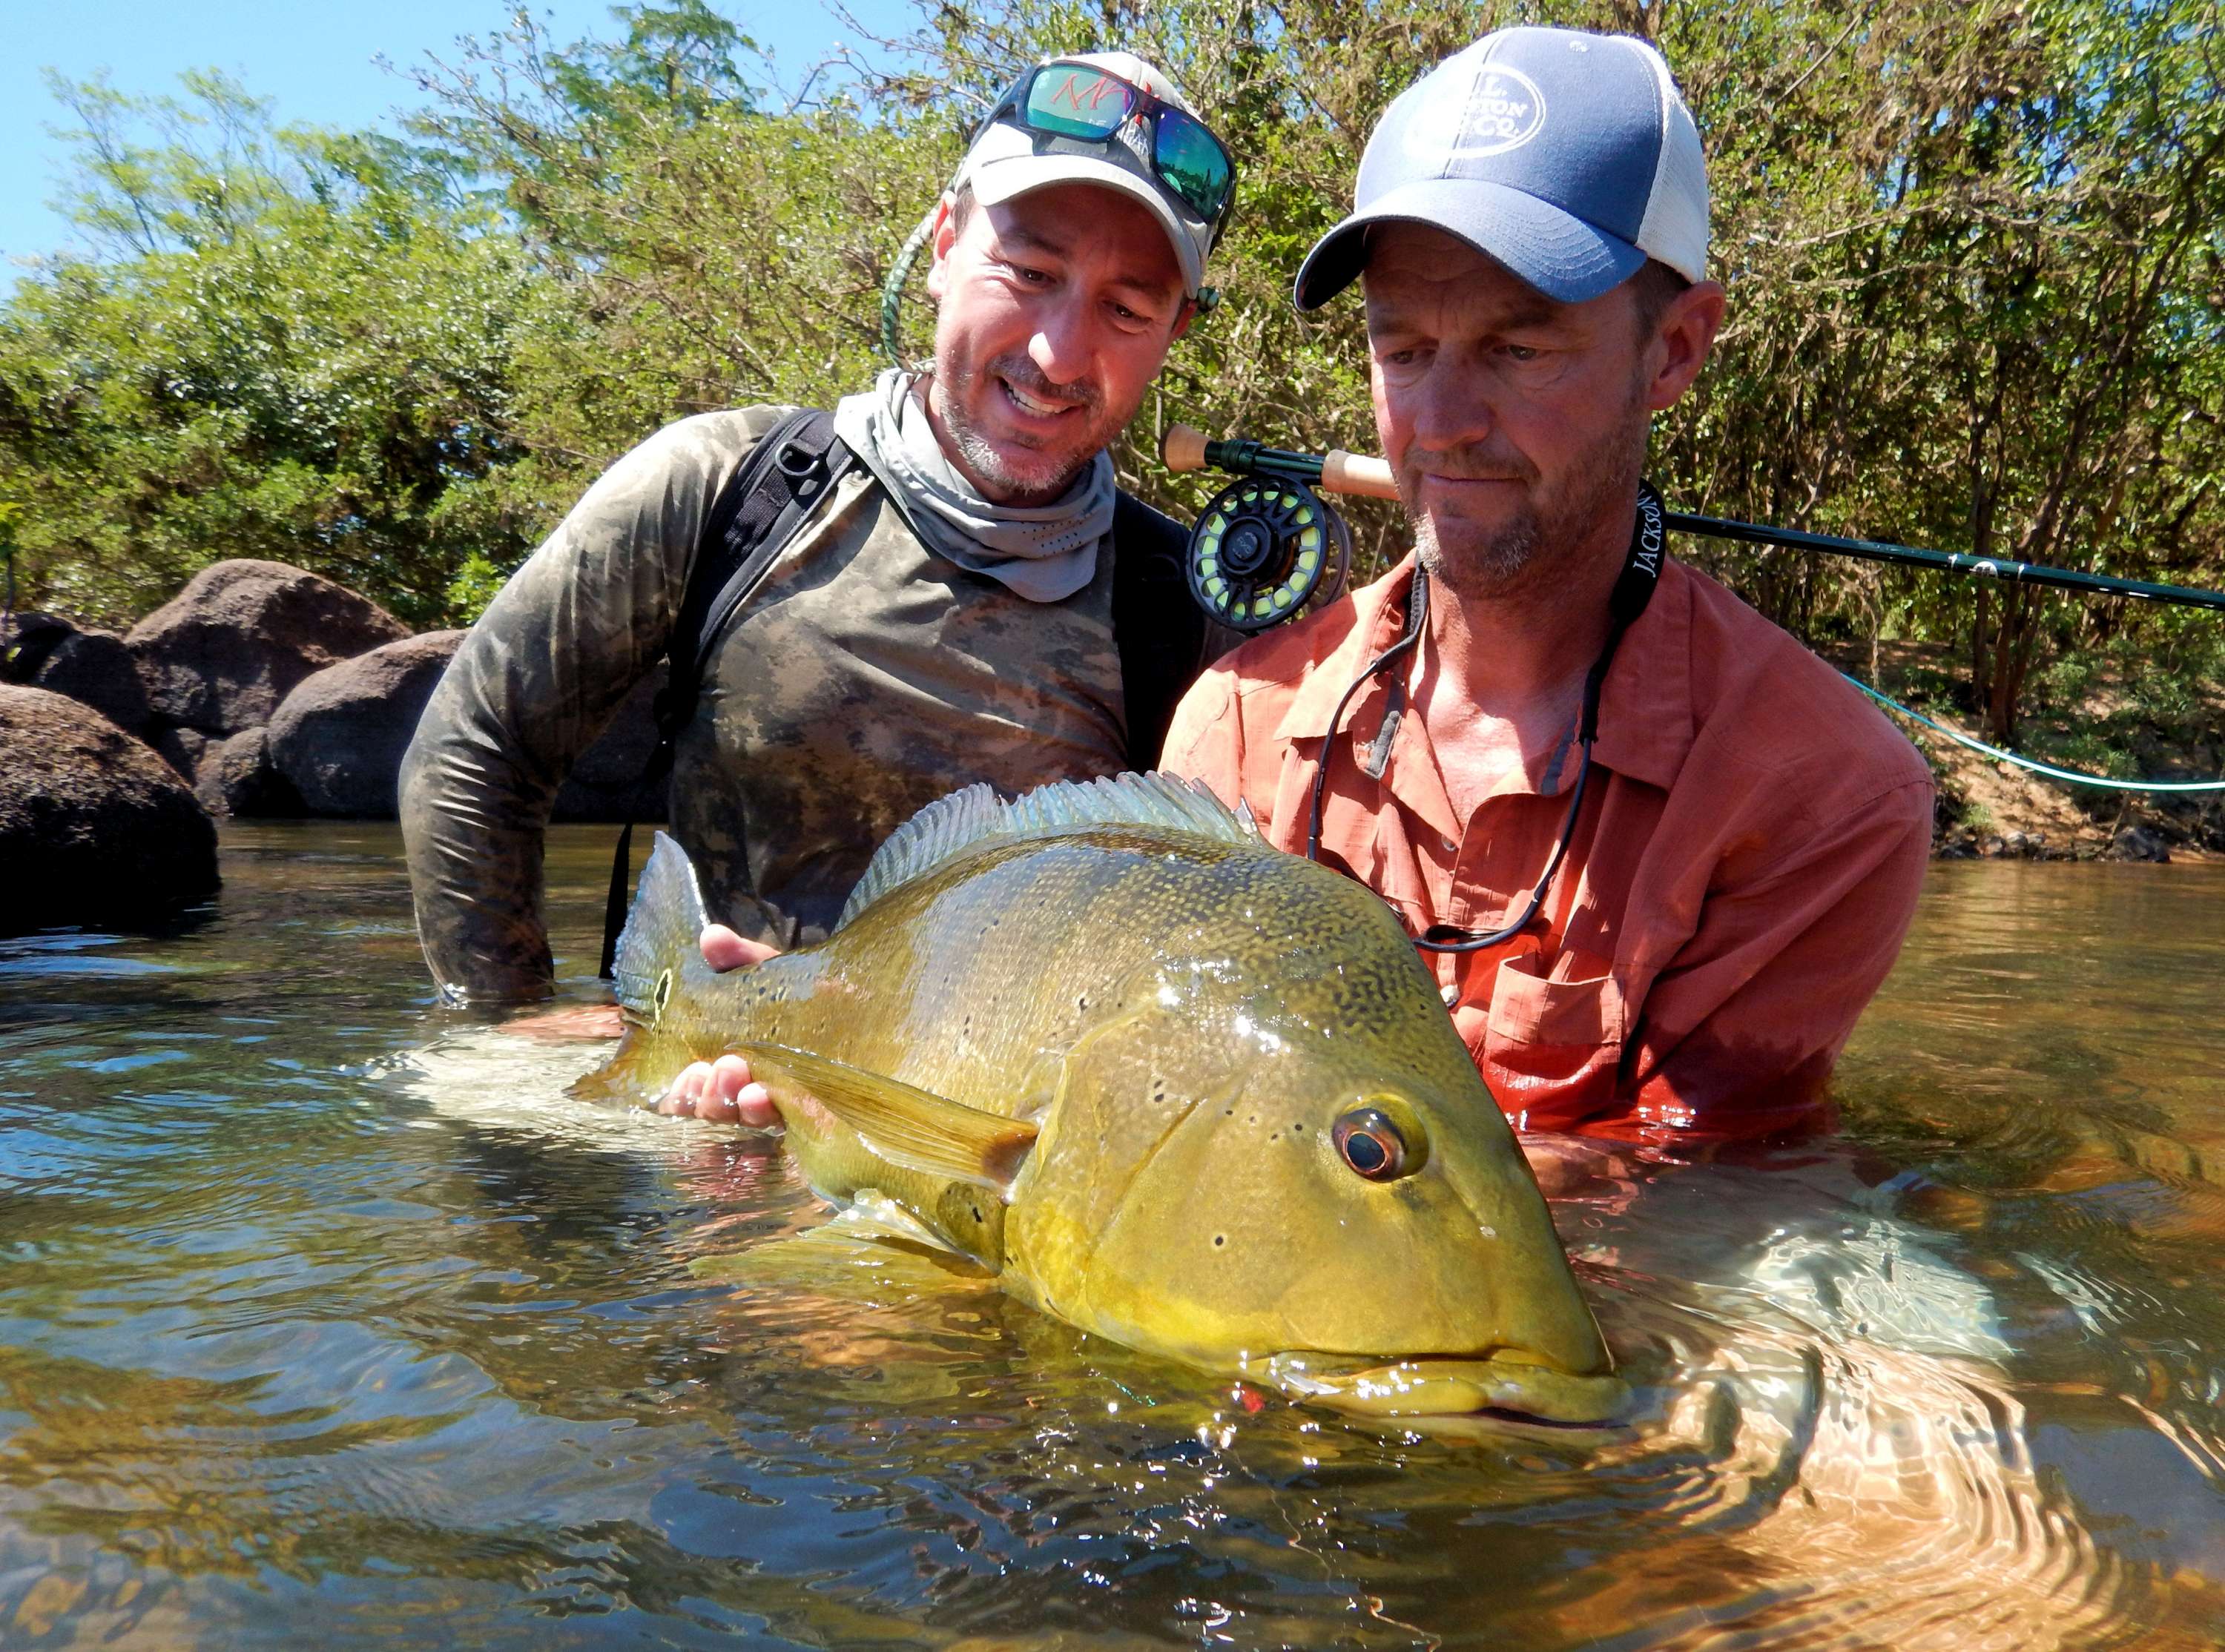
[
  {"x": 1007, "y": 161},
  {"x": 1569, "y": 157}
]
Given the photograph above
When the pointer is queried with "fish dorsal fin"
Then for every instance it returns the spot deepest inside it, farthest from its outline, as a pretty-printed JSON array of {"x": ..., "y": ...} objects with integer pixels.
[
  {"x": 899, "y": 1122},
  {"x": 924, "y": 842},
  {"x": 953, "y": 825},
  {"x": 1155, "y": 800}
]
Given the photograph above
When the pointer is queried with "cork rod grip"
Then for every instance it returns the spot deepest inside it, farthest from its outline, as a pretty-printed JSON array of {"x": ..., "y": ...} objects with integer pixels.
[
  {"x": 1183, "y": 448},
  {"x": 1343, "y": 472}
]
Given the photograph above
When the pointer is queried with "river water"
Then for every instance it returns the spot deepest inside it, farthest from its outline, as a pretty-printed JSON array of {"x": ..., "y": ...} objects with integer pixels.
[{"x": 324, "y": 1317}]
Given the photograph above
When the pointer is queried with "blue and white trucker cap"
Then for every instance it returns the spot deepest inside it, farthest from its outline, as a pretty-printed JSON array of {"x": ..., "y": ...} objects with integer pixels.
[{"x": 1570, "y": 157}]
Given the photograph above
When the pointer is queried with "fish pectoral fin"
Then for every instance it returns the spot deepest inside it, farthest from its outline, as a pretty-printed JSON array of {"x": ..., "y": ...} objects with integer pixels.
[
  {"x": 900, "y": 1123},
  {"x": 869, "y": 1245}
]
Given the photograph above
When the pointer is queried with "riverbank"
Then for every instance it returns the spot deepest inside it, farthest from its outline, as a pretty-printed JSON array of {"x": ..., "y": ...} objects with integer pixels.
[
  {"x": 301, "y": 699},
  {"x": 2100, "y": 720}
]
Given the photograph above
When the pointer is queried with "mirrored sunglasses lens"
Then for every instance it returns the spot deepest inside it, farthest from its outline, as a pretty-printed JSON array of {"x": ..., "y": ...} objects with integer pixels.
[
  {"x": 1192, "y": 162},
  {"x": 1075, "y": 100}
]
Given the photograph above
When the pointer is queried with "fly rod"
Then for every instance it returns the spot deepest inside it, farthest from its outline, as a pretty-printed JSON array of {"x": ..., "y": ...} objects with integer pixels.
[
  {"x": 1336, "y": 471},
  {"x": 1267, "y": 547}
]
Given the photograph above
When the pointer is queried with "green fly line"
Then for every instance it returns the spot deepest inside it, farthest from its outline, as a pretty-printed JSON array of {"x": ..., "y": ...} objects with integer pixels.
[{"x": 2033, "y": 764}]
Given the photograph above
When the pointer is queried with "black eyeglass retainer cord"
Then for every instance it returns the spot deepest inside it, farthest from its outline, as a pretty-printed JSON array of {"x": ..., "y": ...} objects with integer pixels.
[{"x": 1634, "y": 589}]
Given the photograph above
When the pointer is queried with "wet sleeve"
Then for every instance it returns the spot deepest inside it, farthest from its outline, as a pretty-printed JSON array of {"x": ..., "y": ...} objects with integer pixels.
[
  {"x": 1740, "y": 1031},
  {"x": 536, "y": 680}
]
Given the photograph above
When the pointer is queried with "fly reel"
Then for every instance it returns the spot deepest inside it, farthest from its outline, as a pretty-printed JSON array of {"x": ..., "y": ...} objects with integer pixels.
[{"x": 1266, "y": 549}]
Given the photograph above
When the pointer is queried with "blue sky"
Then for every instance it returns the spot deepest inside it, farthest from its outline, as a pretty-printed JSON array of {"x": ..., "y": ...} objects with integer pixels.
[{"x": 315, "y": 57}]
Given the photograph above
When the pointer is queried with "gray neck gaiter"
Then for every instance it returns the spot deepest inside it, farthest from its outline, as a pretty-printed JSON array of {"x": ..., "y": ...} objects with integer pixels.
[{"x": 1044, "y": 552}]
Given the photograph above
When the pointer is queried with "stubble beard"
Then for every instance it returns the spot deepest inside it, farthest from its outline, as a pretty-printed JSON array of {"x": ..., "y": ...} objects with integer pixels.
[
  {"x": 1549, "y": 531},
  {"x": 993, "y": 468}
]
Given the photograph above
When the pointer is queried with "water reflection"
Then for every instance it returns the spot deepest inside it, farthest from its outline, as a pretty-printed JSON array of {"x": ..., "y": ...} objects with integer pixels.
[{"x": 325, "y": 1312}]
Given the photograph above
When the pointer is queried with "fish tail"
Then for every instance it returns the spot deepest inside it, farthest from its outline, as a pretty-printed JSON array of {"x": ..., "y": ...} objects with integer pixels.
[{"x": 658, "y": 969}]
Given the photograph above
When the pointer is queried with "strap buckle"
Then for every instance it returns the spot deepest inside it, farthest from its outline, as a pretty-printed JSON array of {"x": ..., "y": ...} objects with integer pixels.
[{"x": 804, "y": 468}]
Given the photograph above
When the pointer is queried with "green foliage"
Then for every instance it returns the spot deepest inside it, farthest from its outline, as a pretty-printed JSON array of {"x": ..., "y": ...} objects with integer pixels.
[
  {"x": 1974, "y": 250},
  {"x": 295, "y": 344},
  {"x": 706, "y": 250}
]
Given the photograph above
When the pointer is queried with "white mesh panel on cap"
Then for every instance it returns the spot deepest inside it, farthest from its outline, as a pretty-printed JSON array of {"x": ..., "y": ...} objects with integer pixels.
[{"x": 1676, "y": 226}]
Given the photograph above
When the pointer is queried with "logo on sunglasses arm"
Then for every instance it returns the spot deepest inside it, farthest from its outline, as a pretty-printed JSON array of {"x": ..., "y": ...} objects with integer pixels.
[{"x": 1501, "y": 110}]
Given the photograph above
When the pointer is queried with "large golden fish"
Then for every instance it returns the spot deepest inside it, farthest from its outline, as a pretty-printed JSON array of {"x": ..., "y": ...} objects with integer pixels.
[{"x": 1162, "y": 1080}]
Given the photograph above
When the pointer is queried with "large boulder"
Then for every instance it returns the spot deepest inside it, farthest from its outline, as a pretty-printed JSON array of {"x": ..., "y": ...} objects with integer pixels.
[
  {"x": 222, "y": 654},
  {"x": 94, "y": 829},
  {"x": 235, "y": 778},
  {"x": 340, "y": 737},
  {"x": 96, "y": 668},
  {"x": 27, "y": 636},
  {"x": 2138, "y": 843},
  {"x": 606, "y": 783}
]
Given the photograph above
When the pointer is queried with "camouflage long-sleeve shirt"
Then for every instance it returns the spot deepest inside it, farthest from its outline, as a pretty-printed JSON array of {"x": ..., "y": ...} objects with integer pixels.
[{"x": 865, "y": 677}]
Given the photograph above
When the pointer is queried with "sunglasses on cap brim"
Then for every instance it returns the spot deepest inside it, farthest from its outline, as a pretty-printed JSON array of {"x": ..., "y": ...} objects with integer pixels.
[{"x": 1081, "y": 101}]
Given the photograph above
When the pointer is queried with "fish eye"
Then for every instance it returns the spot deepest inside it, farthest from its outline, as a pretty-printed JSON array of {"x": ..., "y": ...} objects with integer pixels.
[{"x": 1372, "y": 1146}]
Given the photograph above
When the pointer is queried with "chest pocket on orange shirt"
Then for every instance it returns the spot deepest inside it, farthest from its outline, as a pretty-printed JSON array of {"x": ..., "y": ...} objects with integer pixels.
[{"x": 1549, "y": 1047}]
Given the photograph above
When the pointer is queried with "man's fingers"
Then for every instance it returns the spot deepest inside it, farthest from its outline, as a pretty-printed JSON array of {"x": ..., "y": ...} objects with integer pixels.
[
  {"x": 721, "y": 1092},
  {"x": 754, "y": 1105},
  {"x": 686, "y": 1090},
  {"x": 724, "y": 950}
]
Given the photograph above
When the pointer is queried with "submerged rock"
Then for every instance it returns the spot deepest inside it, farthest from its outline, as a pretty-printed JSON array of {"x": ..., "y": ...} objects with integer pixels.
[
  {"x": 94, "y": 827},
  {"x": 222, "y": 654},
  {"x": 340, "y": 737}
]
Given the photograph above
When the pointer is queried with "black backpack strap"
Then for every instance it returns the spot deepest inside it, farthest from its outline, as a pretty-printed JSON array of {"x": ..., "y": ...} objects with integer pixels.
[
  {"x": 791, "y": 471},
  {"x": 1165, "y": 637},
  {"x": 788, "y": 474}
]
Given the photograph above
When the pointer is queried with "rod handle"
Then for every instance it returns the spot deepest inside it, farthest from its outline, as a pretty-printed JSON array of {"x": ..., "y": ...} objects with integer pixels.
[
  {"x": 1186, "y": 448},
  {"x": 1183, "y": 448},
  {"x": 1361, "y": 473}
]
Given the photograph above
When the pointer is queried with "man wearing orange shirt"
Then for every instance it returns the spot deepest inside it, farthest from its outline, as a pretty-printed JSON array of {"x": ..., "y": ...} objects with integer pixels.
[{"x": 1658, "y": 855}]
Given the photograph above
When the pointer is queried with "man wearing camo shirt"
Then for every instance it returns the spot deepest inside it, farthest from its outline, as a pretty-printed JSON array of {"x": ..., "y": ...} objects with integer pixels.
[{"x": 943, "y": 617}]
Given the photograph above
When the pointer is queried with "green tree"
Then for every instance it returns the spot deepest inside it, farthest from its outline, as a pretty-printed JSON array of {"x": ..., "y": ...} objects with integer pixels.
[
  {"x": 716, "y": 249},
  {"x": 290, "y": 344},
  {"x": 1973, "y": 249}
]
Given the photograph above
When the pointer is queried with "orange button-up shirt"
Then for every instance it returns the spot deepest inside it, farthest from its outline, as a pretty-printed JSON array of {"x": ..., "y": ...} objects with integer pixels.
[{"x": 1745, "y": 866}]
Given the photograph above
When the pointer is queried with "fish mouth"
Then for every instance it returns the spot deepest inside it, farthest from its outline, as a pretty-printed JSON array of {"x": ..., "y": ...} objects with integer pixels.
[{"x": 1504, "y": 1383}]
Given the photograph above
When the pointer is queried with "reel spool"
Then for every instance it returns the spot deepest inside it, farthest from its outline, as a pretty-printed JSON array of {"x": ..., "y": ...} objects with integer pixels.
[{"x": 1266, "y": 549}]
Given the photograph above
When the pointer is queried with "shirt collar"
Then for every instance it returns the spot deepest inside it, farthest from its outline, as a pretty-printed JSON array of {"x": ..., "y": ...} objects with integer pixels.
[
  {"x": 1646, "y": 724},
  {"x": 1646, "y": 721},
  {"x": 1378, "y": 616}
]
